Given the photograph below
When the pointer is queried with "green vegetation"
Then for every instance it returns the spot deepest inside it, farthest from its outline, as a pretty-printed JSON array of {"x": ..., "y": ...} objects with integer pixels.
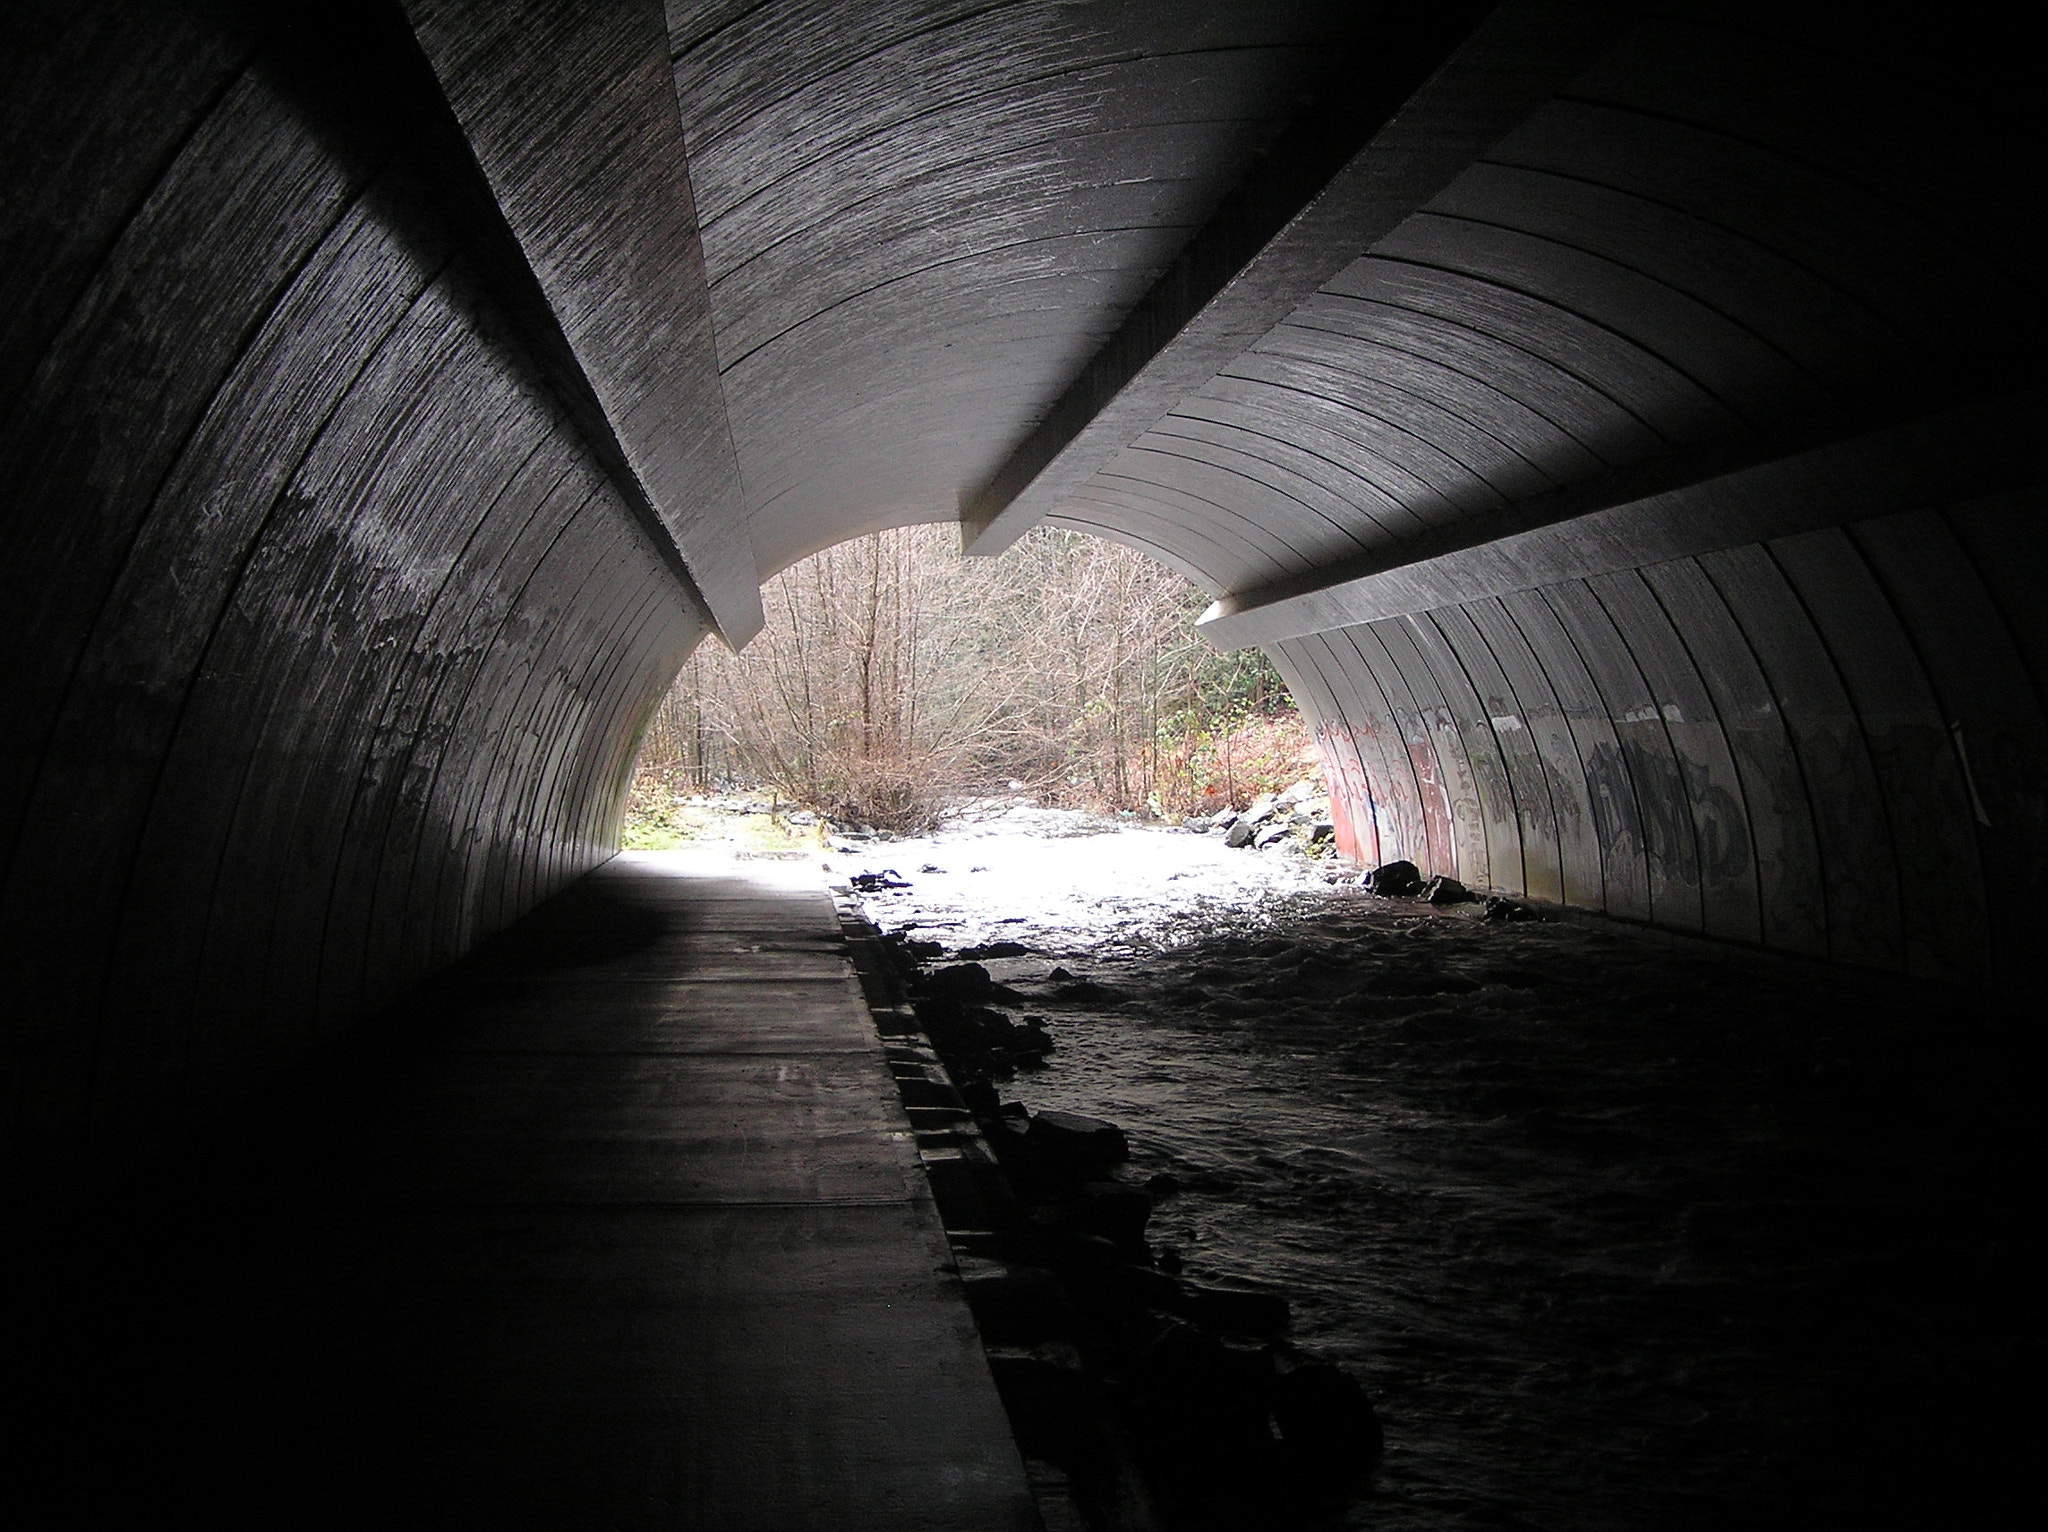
[
  {"x": 659, "y": 818},
  {"x": 893, "y": 673}
]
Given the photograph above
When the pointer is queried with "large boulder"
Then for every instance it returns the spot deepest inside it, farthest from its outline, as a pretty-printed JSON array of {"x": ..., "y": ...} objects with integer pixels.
[
  {"x": 1263, "y": 808},
  {"x": 974, "y": 1039},
  {"x": 1394, "y": 880},
  {"x": 981, "y": 1098},
  {"x": 996, "y": 950},
  {"x": 965, "y": 982},
  {"x": 957, "y": 1029},
  {"x": 1076, "y": 1142}
]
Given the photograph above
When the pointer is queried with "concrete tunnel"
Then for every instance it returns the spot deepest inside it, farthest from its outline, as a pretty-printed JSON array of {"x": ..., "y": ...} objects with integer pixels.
[
  {"x": 1610, "y": 418},
  {"x": 1613, "y": 419}
]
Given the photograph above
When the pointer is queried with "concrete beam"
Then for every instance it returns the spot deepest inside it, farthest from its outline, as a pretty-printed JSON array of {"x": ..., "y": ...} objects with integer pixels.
[
  {"x": 571, "y": 113},
  {"x": 1689, "y": 503},
  {"x": 1424, "y": 95}
]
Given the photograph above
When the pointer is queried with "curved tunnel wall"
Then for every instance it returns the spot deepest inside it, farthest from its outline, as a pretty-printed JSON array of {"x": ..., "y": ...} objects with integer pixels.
[
  {"x": 1829, "y": 744},
  {"x": 1779, "y": 267},
  {"x": 328, "y": 639},
  {"x": 1644, "y": 510}
]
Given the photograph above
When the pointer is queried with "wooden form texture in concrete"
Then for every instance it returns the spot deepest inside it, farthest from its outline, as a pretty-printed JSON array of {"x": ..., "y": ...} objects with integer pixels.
[
  {"x": 1646, "y": 519},
  {"x": 621, "y": 1225},
  {"x": 1415, "y": 105},
  {"x": 604, "y": 219},
  {"x": 298, "y": 512},
  {"x": 1577, "y": 448},
  {"x": 924, "y": 217}
]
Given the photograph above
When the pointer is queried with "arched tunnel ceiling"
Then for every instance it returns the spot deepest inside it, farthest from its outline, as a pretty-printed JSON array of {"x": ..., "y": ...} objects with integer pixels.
[
  {"x": 1632, "y": 273},
  {"x": 921, "y": 220},
  {"x": 1614, "y": 419}
]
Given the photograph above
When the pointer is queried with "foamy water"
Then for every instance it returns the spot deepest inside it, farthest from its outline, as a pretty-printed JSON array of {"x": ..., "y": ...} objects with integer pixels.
[{"x": 1620, "y": 1236}]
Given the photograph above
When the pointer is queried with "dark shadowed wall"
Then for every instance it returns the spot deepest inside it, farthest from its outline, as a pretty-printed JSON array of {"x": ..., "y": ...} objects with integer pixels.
[{"x": 327, "y": 637}]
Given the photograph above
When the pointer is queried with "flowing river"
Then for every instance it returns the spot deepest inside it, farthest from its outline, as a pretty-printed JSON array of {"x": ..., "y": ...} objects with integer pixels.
[{"x": 1620, "y": 1234}]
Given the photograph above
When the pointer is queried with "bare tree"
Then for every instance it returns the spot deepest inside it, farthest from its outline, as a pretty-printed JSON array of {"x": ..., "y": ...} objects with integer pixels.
[{"x": 893, "y": 672}]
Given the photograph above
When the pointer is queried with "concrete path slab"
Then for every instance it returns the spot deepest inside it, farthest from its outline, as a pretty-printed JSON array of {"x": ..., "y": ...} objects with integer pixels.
[
  {"x": 621, "y": 1227},
  {"x": 775, "y": 1016}
]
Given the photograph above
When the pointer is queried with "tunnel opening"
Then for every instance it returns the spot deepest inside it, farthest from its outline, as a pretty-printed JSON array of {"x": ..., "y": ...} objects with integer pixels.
[{"x": 895, "y": 675}]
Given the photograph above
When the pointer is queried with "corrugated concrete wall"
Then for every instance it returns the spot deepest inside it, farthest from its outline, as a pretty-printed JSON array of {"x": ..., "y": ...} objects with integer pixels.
[
  {"x": 1650, "y": 520},
  {"x": 327, "y": 640},
  {"x": 1616, "y": 420},
  {"x": 1829, "y": 744}
]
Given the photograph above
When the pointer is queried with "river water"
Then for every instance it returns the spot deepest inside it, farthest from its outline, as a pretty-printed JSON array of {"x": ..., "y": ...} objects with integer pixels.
[{"x": 1619, "y": 1234}]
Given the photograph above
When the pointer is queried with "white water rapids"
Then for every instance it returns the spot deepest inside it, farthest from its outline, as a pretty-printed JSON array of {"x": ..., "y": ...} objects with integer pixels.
[{"x": 1620, "y": 1235}]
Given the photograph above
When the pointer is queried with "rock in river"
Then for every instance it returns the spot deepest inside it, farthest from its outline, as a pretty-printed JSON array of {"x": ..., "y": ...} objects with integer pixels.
[
  {"x": 1078, "y": 1142},
  {"x": 1394, "y": 880}
]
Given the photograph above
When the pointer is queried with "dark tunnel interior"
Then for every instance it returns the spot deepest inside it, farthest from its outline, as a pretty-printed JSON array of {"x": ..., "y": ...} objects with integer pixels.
[
  {"x": 1611, "y": 419},
  {"x": 1614, "y": 419}
]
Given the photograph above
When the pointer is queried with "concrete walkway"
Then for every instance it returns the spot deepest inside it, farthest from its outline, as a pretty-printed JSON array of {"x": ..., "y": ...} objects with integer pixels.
[{"x": 624, "y": 1227}]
